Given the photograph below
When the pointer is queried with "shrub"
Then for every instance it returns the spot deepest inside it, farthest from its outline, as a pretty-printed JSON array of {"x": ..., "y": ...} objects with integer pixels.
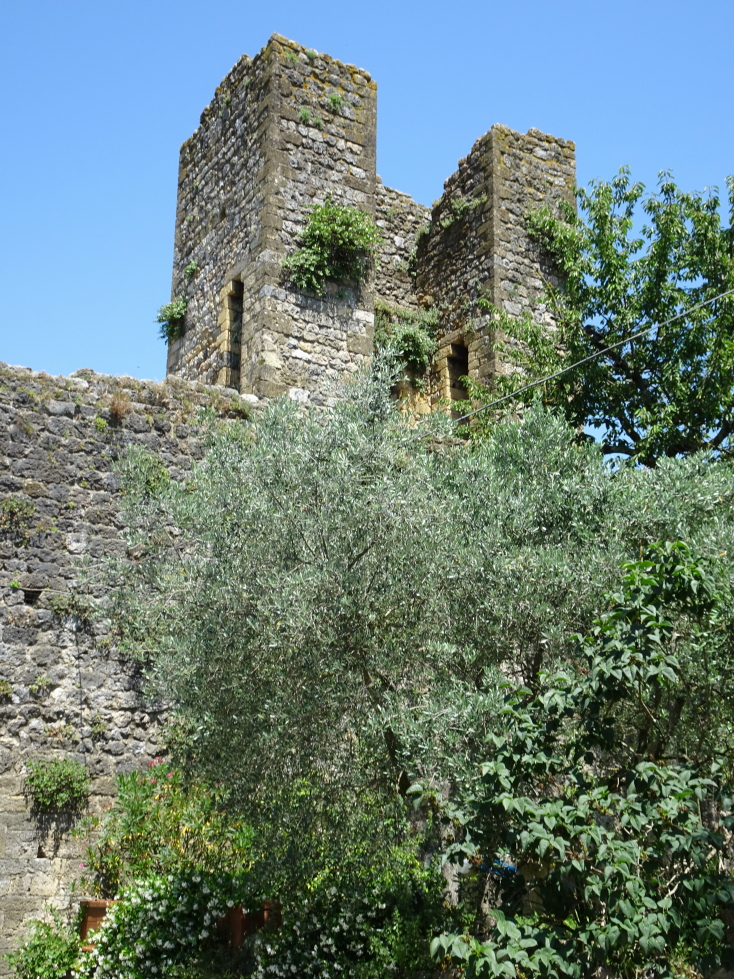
[
  {"x": 338, "y": 243},
  {"x": 57, "y": 785},
  {"x": 49, "y": 952},
  {"x": 618, "y": 848},
  {"x": 408, "y": 336},
  {"x": 159, "y": 825},
  {"x": 335, "y": 101},
  {"x": 161, "y": 922},
  {"x": 360, "y": 921},
  {"x": 120, "y": 405},
  {"x": 171, "y": 317},
  {"x": 15, "y": 513},
  {"x": 193, "y": 267}
]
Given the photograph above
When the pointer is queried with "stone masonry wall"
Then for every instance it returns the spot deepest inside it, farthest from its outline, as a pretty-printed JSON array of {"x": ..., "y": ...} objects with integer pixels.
[
  {"x": 221, "y": 197},
  {"x": 478, "y": 245},
  {"x": 65, "y": 690},
  {"x": 399, "y": 219},
  {"x": 272, "y": 144}
]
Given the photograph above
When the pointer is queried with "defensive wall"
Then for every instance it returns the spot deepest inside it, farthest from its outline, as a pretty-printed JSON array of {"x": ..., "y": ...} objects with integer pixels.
[
  {"x": 285, "y": 129},
  {"x": 66, "y": 691}
]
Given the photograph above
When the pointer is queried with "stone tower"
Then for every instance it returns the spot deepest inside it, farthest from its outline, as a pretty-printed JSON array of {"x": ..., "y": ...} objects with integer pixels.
[
  {"x": 270, "y": 144},
  {"x": 289, "y": 128}
]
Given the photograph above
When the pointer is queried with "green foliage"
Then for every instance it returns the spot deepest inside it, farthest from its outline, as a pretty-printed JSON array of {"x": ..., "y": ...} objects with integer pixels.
[
  {"x": 407, "y": 336},
  {"x": 15, "y": 513},
  {"x": 160, "y": 825},
  {"x": 667, "y": 393},
  {"x": 345, "y": 595},
  {"x": 74, "y": 605},
  {"x": 6, "y": 687},
  {"x": 100, "y": 424},
  {"x": 171, "y": 317},
  {"x": 618, "y": 841},
  {"x": 335, "y": 101},
  {"x": 362, "y": 920},
  {"x": 311, "y": 54},
  {"x": 292, "y": 57},
  {"x": 40, "y": 684},
  {"x": 192, "y": 268},
  {"x": 162, "y": 925},
  {"x": 49, "y": 952},
  {"x": 305, "y": 115},
  {"x": 57, "y": 785},
  {"x": 151, "y": 476},
  {"x": 337, "y": 244}
]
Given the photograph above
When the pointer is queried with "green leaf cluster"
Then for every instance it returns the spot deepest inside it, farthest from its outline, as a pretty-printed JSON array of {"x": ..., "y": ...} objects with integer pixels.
[
  {"x": 408, "y": 336},
  {"x": 163, "y": 925},
  {"x": 159, "y": 824},
  {"x": 57, "y": 785},
  {"x": 669, "y": 392},
  {"x": 619, "y": 845},
  {"x": 171, "y": 317},
  {"x": 363, "y": 919},
  {"x": 48, "y": 952},
  {"x": 337, "y": 244}
]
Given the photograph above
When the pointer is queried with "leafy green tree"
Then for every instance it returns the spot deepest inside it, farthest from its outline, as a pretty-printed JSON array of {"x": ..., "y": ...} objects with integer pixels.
[
  {"x": 331, "y": 603},
  {"x": 617, "y": 848},
  {"x": 668, "y": 392}
]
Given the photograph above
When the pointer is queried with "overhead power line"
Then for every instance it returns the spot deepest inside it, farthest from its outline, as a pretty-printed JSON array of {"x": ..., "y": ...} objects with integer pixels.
[{"x": 585, "y": 360}]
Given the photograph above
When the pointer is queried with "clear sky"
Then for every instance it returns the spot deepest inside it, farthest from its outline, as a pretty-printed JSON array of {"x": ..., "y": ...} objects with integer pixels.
[{"x": 98, "y": 95}]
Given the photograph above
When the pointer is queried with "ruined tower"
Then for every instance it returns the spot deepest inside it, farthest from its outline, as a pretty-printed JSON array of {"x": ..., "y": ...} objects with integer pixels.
[{"x": 289, "y": 128}]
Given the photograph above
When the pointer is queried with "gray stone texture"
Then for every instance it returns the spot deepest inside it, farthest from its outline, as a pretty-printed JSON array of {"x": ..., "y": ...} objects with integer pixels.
[
  {"x": 246, "y": 180},
  {"x": 478, "y": 245},
  {"x": 59, "y": 439}
]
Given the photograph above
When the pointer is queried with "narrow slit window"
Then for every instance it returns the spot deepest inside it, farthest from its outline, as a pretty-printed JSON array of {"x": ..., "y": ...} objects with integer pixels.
[
  {"x": 458, "y": 366},
  {"x": 232, "y": 347}
]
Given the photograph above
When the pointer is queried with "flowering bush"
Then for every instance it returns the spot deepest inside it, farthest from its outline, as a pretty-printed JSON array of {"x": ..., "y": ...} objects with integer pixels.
[
  {"x": 159, "y": 924},
  {"x": 47, "y": 953},
  {"x": 159, "y": 825},
  {"x": 362, "y": 922}
]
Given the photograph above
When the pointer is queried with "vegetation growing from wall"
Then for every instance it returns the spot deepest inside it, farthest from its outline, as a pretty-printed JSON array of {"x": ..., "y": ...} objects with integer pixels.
[
  {"x": 57, "y": 785},
  {"x": 171, "y": 317},
  {"x": 408, "y": 336},
  {"x": 337, "y": 244}
]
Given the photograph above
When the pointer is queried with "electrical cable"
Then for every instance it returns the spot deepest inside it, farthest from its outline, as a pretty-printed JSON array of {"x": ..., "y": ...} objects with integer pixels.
[{"x": 585, "y": 360}]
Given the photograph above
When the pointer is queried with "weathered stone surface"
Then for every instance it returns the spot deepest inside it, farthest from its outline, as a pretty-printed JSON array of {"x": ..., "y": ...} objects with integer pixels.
[
  {"x": 90, "y": 702},
  {"x": 270, "y": 145},
  {"x": 478, "y": 247}
]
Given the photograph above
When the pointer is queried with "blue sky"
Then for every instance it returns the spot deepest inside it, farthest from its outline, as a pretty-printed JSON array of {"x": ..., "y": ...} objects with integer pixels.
[{"x": 98, "y": 96}]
